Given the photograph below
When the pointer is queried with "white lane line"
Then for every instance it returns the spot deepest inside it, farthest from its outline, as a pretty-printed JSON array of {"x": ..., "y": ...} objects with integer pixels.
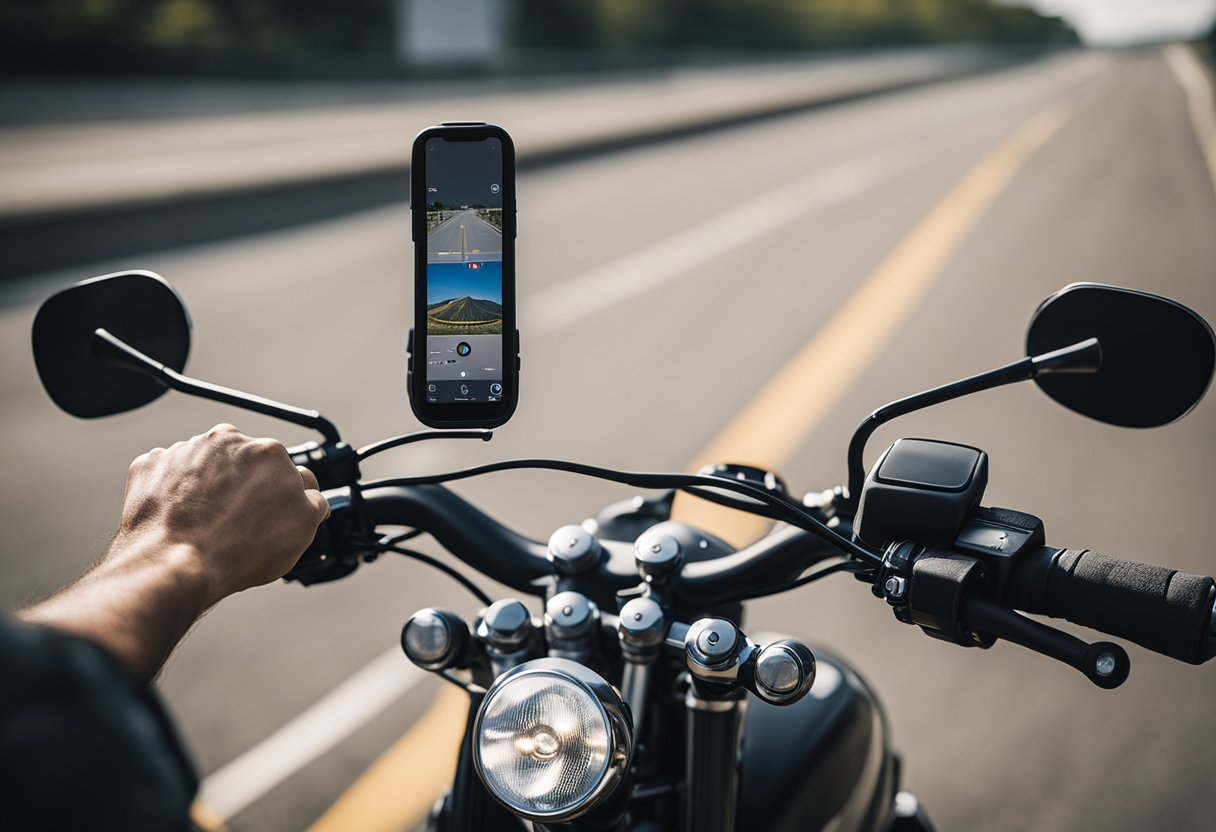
[
  {"x": 336, "y": 716},
  {"x": 563, "y": 304},
  {"x": 1200, "y": 100}
]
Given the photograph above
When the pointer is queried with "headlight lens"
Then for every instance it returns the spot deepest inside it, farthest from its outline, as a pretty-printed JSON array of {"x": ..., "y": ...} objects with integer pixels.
[{"x": 551, "y": 739}]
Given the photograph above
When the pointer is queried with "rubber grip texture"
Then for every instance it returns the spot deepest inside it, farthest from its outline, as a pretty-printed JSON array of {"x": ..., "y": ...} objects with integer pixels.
[{"x": 1158, "y": 608}]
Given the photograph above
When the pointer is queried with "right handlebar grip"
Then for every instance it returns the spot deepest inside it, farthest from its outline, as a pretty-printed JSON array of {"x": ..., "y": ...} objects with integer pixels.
[{"x": 1162, "y": 609}]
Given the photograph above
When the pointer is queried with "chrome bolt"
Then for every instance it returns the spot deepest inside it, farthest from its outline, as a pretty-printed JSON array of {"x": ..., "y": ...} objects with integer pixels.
[
  {"x": 655, "y": 549},
  {"x": 506, "y": 625},
  {"x": 1105, "y": 665},
  {"x": 642, "y": 625},
  {"x": 570, "y": 615},
  {"x": 656, "y": 556},
  {"x": 716, "y": 639},
  {"x": 573, "y": 550},
  {"x": 896, "y": 587}
]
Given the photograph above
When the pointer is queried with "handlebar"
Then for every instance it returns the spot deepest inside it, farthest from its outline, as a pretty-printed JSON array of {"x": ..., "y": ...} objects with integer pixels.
[
  {"x": 1162, "y": 609},
  {"x": 708, "y": 577},
  {"x": 464, "y": 530},
  {"x": 775, "y": 558}
]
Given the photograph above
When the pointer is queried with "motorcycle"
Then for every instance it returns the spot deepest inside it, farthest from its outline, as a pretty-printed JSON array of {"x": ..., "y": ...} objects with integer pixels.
[{"x": 636, "y": 700}]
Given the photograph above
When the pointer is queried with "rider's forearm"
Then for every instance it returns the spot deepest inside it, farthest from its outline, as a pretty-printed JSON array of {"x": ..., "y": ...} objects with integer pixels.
[{"x": 137, "y": 602}]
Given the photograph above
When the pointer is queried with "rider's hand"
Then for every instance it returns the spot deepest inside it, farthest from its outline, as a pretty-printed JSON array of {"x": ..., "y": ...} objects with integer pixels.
[
  {"x": 201, "y": 520},
  {"x": 238, "y": 508}
]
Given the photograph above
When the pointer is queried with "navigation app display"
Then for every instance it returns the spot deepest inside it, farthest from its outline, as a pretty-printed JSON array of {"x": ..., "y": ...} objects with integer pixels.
[{"x": 464, "y": 286}]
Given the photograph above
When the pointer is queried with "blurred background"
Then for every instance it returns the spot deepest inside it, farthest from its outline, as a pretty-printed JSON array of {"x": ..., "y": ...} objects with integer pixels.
[{"x": 706, "y": 189}]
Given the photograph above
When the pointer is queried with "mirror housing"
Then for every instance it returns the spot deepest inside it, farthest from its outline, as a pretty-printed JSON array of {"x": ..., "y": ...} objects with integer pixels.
[
  {"x": 1157, "y": 355},
  {"x": 138, "y": 307}
]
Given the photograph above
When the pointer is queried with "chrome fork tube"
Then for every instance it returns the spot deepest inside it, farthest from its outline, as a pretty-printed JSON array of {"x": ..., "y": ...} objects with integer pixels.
[
  {"x": 711, "y": 785},
  {"x": 635, "y": 687}
]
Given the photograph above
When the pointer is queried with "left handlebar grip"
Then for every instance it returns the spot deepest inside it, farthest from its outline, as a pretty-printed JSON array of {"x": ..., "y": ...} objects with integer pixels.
[{"x": 321, "y": 561}]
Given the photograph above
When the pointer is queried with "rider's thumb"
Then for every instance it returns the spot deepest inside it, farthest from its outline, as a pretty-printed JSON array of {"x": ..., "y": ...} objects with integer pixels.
[{"x": 319, "y": 504}]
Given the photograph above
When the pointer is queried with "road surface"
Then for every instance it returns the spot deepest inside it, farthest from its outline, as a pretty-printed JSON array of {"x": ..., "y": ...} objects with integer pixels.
[
  {"x": 463, "y": 237},
  {"x": 661, "y": 290}
]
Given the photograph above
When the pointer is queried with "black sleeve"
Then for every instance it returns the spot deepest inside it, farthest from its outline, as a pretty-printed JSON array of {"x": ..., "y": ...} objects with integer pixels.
[{"x": 83, "y": 743}]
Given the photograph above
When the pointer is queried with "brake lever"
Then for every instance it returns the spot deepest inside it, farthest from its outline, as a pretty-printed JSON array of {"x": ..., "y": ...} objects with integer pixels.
[
  {"x": 1104, "y": 663},
  {"x": 945, "y": 594}
]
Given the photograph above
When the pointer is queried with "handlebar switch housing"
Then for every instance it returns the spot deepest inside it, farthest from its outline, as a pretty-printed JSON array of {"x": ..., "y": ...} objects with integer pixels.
[
  {"x": 921, "y": 489},
  {"x": 999, "y": 537},
  {"x": 940, "y": 581},
  {"x": 335, "y": 465},
  {"x": 926, "y": 587},
  {"x": 329, "y": 557}
]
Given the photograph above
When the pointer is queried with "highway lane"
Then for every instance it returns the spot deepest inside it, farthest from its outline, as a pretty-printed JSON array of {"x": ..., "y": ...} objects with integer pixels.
[
  {"x": 645, "y": 378},
  {"x": 462, "y": 237}
]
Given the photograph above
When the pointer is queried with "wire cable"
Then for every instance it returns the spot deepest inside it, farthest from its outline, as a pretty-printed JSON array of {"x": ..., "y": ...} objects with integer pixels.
[
  {"x": 400, "y": 538},
  {"x": 786, "y": 510},
  {"x": 421, "y": 436},
  {"x": 844, "y": 566},
  {"x": 748, "y": 505},
  {"x": 440, "y": 565}
]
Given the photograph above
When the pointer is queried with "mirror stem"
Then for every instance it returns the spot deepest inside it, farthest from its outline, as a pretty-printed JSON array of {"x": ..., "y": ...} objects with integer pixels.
[
  {"x": 1082, "y": 357},
  {"x": 116, "y": 350}
]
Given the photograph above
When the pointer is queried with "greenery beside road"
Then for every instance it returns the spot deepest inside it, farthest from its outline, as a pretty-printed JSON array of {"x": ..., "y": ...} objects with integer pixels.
[
  {"x": 357, "y": 37},
  {"x": 767, "y": 25}
]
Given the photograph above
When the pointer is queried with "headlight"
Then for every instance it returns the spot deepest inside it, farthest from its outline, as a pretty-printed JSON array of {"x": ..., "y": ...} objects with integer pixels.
[{"x": 551, "y": 739}]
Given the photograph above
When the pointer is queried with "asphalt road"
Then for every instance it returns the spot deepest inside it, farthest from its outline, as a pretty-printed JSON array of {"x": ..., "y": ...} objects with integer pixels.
[
  {"x": 644, "y": 376},
  {"x": 463, "y": 237}
]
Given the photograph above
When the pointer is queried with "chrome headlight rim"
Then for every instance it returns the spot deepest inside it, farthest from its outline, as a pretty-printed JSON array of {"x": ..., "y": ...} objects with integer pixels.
[{"x": 613, "y": 711}]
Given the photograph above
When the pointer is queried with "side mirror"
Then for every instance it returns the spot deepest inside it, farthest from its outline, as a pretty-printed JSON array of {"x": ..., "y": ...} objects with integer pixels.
[
  {"x": 140, "y": 308},
  {"x": 1157, "y": 355}
]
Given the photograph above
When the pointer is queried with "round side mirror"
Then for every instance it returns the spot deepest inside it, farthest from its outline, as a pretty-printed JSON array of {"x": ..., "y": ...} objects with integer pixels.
[
  {"x": 138, "y": 307},
  {"x": 1157, "y": 355}
]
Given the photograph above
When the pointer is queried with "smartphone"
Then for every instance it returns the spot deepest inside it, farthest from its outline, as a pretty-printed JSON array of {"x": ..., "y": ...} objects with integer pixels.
[{"x": 463, "y": 368}]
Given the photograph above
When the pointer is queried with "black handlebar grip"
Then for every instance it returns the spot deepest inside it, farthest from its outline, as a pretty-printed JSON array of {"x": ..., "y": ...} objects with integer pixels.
[{"x": 1162, "y": 609}]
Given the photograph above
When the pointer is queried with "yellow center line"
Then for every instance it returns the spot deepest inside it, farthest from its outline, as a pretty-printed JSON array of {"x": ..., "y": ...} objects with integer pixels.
[
  {"x": 206, "y": 820},
  {"x": 396, "y": 792},
  {"x": 795, "y": 400}
]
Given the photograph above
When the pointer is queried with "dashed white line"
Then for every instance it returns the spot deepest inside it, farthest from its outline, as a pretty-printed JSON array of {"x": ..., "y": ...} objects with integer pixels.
[
  {"x": 1200, "y": 100},
  {"x": 336, "y": 716},
  {"x": 563, "y": 304}
]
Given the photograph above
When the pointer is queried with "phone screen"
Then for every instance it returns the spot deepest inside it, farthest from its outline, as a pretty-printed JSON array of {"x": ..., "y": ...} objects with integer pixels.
[
  {"x": 464, "y": 363},
  {"x": 464, "y": 271}
]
